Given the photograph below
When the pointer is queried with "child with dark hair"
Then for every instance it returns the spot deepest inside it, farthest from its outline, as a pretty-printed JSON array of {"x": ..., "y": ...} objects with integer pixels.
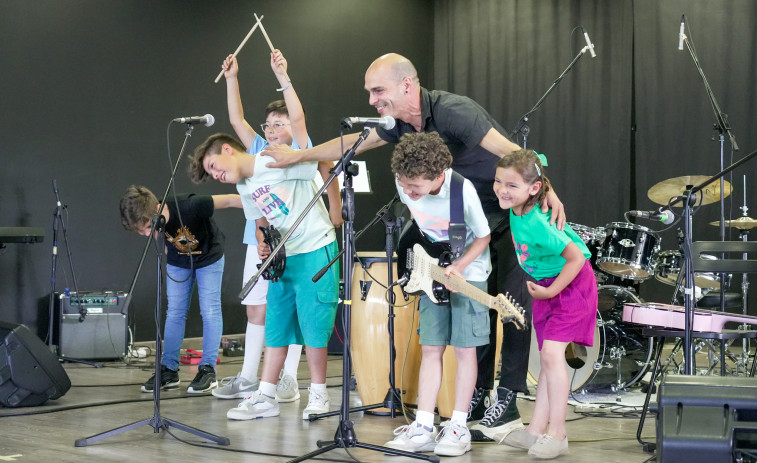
[
  {"x": 194, "y": 250},
  {"x": 421, "y": 165},
  {"x": 565, "y": 296}
]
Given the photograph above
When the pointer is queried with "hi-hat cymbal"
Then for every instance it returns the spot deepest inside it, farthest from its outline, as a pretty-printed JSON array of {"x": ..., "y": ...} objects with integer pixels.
[
  {"x": 663, "y": 191},
  {"x": 742, "y": 223}
]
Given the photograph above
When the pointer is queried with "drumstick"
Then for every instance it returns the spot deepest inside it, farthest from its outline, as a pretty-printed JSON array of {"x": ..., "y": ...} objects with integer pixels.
[
  {"x": 257, "y": 23},
  {"x": 262, "y": 29}
]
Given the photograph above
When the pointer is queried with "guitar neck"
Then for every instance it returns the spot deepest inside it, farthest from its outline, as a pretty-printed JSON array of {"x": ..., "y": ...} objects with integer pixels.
[{"x": 462, "y": 286}]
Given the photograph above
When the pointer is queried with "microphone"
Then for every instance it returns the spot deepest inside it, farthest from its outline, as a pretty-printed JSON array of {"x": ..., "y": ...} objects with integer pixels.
[
  {"x": 666, "y": 217},
  {"x": 589, "y": 45},
  {"x": 386, "y": 122},
  {"x": 681, "y": 34},
  {"x": 207, "y": 119}
]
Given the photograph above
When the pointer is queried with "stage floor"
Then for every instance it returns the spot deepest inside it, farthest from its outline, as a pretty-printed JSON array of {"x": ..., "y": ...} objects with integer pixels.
[{"x": 105, "y": 398}]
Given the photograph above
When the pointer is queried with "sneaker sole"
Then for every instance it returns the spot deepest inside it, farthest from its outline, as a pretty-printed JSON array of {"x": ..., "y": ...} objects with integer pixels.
[
  {"x": 191, "y": 390},
  {"x": 237, "y": 395},
  {"x": 499, "y": 432},
  {"x": 451, "y": 451},
  {"x": 164, "y": 388},
  {"x": 284, "y": 401},
  {"x": 429, "y": 448},
  {"x": 241, "y": 416}
]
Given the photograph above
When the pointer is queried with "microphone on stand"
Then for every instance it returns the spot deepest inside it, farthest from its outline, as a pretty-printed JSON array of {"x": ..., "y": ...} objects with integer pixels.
[
  {"x": 666, "y": 217},
  {"x": 589, "y": 45},
  {"x": 386, "y": 122},
  {"x": 681, "y": 35},
  {"x": 207, "y": 119}
]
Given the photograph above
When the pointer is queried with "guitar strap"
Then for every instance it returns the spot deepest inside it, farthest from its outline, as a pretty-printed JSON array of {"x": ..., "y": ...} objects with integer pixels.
[{"x": 456, "y": 230}]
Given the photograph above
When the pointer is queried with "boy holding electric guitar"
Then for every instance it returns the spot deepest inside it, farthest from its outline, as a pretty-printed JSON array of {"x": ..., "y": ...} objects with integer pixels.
[{"x": 447, "y": 221}]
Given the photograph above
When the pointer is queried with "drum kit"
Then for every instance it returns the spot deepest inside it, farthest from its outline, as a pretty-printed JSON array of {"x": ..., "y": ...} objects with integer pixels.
[{"x": 623, "y": 256}]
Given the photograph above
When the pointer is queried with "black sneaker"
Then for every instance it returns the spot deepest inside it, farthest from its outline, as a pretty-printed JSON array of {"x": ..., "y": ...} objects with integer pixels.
[
  {"x": 480, "y": 402},
  {"x": 204, "y": 381},
  {"x": 501, "y": 418},
  {"x": 169, "y": 379}
]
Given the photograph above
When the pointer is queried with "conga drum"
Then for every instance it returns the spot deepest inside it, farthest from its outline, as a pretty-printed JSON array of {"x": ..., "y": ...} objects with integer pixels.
[
  {"x": 370, "y": 333},
  {"x": 445, "y": 401}
]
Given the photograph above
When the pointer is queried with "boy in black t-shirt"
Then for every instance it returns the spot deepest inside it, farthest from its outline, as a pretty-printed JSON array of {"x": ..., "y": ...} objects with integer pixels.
[{"x": 194, "y": 249}]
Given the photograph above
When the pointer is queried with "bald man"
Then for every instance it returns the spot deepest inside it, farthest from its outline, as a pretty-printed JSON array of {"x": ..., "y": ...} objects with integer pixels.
[{"x": 476, "y": 142}]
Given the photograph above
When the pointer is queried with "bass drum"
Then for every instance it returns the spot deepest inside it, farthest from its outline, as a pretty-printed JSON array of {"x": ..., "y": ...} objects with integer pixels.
[{"x": 620, "y": 355}]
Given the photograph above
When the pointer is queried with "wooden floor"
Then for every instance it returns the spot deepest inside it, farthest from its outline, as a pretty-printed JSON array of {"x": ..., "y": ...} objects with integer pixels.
[{"x": 109, "y": 397}]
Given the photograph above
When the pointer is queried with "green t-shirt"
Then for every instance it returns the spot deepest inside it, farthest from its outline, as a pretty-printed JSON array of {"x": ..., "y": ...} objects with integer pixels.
[{"x": 539, "y": 244}]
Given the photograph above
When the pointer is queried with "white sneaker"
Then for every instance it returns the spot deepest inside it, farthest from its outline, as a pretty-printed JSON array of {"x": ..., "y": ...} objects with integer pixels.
[
  {"x": 453, "y": 441},
  {"x": 317, "y": 403},
  {"x": 258, "y": 405},
  {"x": 235, "y": 387},
  {"x": 287, "y": 389},
  {"x": 413, "y": 438}
]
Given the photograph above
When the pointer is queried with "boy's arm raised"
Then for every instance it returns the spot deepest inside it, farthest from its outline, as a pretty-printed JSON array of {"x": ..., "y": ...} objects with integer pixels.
[
  {"x": 294, "y": 106},
  {"x": 244, "y": 130}
]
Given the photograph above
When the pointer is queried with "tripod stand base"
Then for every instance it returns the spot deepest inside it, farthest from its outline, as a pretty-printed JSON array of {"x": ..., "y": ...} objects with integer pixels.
[
  {"x": 157, "y": 424},
  {"x": 345, "y": 438}
]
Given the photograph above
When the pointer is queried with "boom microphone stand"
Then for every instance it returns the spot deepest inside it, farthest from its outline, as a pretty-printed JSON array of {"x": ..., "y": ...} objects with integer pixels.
[
  {"x": 521, "y": 127},
  {"x": 157, "y": 422},
  {"x": 345, "y": 434}
]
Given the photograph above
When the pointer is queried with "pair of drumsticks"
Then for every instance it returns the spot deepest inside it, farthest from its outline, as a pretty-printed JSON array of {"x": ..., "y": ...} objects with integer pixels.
[{"x": 249, "y": 34}]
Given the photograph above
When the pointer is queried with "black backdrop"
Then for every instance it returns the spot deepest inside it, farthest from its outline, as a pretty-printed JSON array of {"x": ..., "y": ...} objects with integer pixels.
[{"x": 89, "y": 87}]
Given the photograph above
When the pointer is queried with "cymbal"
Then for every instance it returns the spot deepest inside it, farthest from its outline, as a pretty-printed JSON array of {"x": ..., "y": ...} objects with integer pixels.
[
  {"x": 663, "y": 191},
  {"x": 742, "y": 223}
]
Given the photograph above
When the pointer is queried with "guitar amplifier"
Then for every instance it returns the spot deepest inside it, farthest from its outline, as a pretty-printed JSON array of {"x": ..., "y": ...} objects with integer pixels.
[{"x": 92, "y": 326}]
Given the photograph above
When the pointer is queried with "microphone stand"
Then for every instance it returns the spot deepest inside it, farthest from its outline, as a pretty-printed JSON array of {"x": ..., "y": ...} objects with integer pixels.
[
  {"x": 393, "y": 398},
  {"x": 157, "y": 422},
  {"x": 345, "y": 434},
  {"x": 689, "y": 199},
  {"x": 722, "y": 126},
  {"x": 521, "y": 127},
  {"x": 58, "y": 221}
]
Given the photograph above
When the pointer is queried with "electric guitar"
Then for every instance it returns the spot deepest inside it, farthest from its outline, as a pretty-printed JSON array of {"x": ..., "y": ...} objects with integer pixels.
[
  {"x": 426, "y": 273},
  {"x": 272, "y": 237}
]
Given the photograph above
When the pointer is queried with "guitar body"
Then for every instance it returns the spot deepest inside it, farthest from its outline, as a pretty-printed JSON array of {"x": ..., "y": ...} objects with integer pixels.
[
  {"x": 272, "y": 238},
  {"x": 439, "y": 252}
]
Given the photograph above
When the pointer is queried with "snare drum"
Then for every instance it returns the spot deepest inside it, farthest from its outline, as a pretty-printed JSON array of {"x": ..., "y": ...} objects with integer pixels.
[
  {"x": 370, "y": 334},
  {"x": 628, "y": 251}
]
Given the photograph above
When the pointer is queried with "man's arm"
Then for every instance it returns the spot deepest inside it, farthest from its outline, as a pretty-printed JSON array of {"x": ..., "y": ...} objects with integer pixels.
[
  {"x": 498, "y": 144},
  {"x": 244, "y": 131},
  {"x": 225, "y": 201},
  {"x": 329, "y": 151}
]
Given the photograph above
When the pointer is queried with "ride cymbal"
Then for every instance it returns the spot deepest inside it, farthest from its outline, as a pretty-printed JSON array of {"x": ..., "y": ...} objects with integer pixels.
[
  {"x": 742, "y": 223},
  {"x": 666, "y": 189}
]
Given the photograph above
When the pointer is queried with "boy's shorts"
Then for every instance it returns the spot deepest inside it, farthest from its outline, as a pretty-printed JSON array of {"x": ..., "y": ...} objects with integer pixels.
[
  {"x": 257, "y": 295},
  {"x": 300, "y": 311},
  {"x": 461, "y": 323}
]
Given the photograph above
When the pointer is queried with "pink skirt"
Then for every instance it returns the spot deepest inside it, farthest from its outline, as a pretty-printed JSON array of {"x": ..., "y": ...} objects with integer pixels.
[{"x": 571, "y": 316}]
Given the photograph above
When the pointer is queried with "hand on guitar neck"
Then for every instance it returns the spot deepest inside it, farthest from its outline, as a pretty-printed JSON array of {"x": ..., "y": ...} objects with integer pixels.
[{"x": 427, "y": 276}]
